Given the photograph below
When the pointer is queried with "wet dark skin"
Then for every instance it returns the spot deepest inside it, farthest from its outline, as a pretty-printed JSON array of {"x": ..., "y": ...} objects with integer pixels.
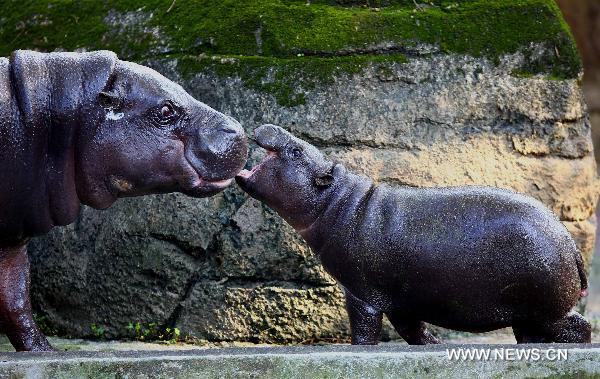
[
  {"x": 88, "y": 129},
  {"x": 467, "y": 258}
]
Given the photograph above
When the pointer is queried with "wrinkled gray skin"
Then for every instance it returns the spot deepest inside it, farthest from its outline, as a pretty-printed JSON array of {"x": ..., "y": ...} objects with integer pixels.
[
  {"x": 466, "y": 258},
  {"x": 89, "y": 128}
]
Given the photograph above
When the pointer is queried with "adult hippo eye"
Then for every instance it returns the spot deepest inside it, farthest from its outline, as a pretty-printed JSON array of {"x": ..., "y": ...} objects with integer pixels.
[
  {"x": 167, "y": 110},
  {"x": 167, "y": 114}
]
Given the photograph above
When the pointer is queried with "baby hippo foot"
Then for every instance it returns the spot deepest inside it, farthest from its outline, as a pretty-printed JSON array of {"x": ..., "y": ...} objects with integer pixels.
[
  {"x": 365, "y": 321},
  {"x": 573, "y": 328},
  {"x": 413, "y": 332}
]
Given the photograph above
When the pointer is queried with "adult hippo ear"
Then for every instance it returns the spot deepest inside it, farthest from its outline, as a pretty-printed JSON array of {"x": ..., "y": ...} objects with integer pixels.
[
  {"x": 110, "y": 99},
  {"x": 52, "y": 93}
]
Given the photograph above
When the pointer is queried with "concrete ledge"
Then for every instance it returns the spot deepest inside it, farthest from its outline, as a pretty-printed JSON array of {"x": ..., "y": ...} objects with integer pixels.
[{"x": 399, "y": 361}]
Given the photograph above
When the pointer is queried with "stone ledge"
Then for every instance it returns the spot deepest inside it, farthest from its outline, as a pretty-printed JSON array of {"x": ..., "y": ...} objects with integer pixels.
[{"x": 397, "y": 361}]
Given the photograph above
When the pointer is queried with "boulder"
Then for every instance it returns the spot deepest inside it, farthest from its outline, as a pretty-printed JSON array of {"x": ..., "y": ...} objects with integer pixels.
[{"x": 434, "y": 94}]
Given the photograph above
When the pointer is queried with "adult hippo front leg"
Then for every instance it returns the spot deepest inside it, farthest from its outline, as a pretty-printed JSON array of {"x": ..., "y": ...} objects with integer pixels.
[
  {"x": 16, "y": 318},
  {"x": 365, "y": 321}
]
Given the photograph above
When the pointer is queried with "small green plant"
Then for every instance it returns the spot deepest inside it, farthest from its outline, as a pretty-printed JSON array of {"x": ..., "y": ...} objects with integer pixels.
[
  {"x": 153, "y": 332},
  {"x": 44, "y": 324},
  {"x": 98, "y": 331}
]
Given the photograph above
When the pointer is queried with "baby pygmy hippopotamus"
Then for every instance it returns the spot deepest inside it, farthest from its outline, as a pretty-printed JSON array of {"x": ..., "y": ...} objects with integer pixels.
[{"x": 466, "y": 258}]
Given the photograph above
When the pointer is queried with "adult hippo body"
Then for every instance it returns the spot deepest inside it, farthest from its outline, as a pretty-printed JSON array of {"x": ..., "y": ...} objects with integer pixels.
[
  {"x": 466, "y": 258},
  {"x": 89, "y": 128}
]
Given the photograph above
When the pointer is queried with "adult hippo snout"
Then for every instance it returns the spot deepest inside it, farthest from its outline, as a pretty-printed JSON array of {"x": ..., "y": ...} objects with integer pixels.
[{"x": 218, "y": 148}]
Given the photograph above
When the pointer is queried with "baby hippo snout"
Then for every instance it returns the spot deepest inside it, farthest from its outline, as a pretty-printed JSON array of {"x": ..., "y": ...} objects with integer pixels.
[
  {"x": 218, "y": 150},
  {"x": 271, "y": 137}
]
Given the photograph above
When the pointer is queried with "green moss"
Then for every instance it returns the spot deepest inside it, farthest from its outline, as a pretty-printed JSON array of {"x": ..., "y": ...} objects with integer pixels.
[
  {"x": 276, "y": 31},
  {"x": 97, "y": 331},
  {"x": 285, "y": 78},
  {"x": 480, "y": 28}
]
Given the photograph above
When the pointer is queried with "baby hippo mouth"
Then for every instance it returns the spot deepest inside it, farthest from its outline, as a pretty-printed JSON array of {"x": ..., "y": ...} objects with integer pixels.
[
  {"x": 247, "y": 174},
  {"x": 270, "y": 138}
]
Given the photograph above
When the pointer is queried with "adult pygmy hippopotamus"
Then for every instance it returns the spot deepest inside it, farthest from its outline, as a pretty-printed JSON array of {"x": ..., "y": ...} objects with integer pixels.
[
  {"x": 467, "y": 258},
  {"x": 89, "y": 128}
]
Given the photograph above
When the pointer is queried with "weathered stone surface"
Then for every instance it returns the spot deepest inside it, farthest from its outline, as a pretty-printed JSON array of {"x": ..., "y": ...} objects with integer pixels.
[
  {"x": 278, "y": 312},
  {"x": 392, "y": 361},
  {"x": 584, "y": 18},
  {"x": 227, "y": 268}
]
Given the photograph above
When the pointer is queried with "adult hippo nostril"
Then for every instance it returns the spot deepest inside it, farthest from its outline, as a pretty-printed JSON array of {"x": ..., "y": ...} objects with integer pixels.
[
  {"x": 231, "y": 126},
  {"x": 229, "y": 129}
]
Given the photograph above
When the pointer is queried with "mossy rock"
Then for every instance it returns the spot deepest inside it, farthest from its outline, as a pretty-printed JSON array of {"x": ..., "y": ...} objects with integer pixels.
[{"x": 286, "y": 28}]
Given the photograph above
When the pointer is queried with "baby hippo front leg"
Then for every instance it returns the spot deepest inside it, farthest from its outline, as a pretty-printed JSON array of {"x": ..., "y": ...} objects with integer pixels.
[{"x": 365, "y": 321}]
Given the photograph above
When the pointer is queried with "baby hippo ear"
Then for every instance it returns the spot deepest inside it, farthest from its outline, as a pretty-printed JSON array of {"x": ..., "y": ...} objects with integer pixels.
[
  {"x": 110, "y": 99},
  {"x": 324, "y": 180}
]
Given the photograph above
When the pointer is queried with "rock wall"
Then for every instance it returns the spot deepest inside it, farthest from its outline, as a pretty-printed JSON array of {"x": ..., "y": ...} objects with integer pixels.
[
  {"x": 584, "y": 19},
  {"x": 410, "y": 104}
]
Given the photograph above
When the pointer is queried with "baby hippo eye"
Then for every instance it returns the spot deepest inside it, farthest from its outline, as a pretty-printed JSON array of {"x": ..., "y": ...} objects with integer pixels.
[{"x": 296, "y": 152}]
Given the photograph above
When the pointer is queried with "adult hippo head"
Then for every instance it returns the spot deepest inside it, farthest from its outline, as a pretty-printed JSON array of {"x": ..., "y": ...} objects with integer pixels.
[
  {"x": 145, "y": 134},
  {"x": 89, "y": 128}
]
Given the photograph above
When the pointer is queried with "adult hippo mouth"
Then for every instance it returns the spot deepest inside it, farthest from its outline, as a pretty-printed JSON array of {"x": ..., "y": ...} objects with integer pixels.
[
  {"x": 214, "y": 156},
  {"x": 200, "y": 187},
  {"x": 193, "y": 185}
]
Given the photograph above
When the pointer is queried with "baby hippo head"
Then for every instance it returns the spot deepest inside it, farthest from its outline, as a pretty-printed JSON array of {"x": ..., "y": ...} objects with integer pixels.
[
  {"x": 294, "y": 178},
  {"x": 151, "y": 136}
]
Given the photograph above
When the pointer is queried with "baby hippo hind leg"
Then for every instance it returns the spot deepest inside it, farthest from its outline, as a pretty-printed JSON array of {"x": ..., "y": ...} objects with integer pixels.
[
  {"x": 573, "y": 328},
  {"x": 365, "y": 321},
  {"x": 525, "y": 333},
  {"x": 413, "y": 332},
  {"x": 15, "y": 308}
]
